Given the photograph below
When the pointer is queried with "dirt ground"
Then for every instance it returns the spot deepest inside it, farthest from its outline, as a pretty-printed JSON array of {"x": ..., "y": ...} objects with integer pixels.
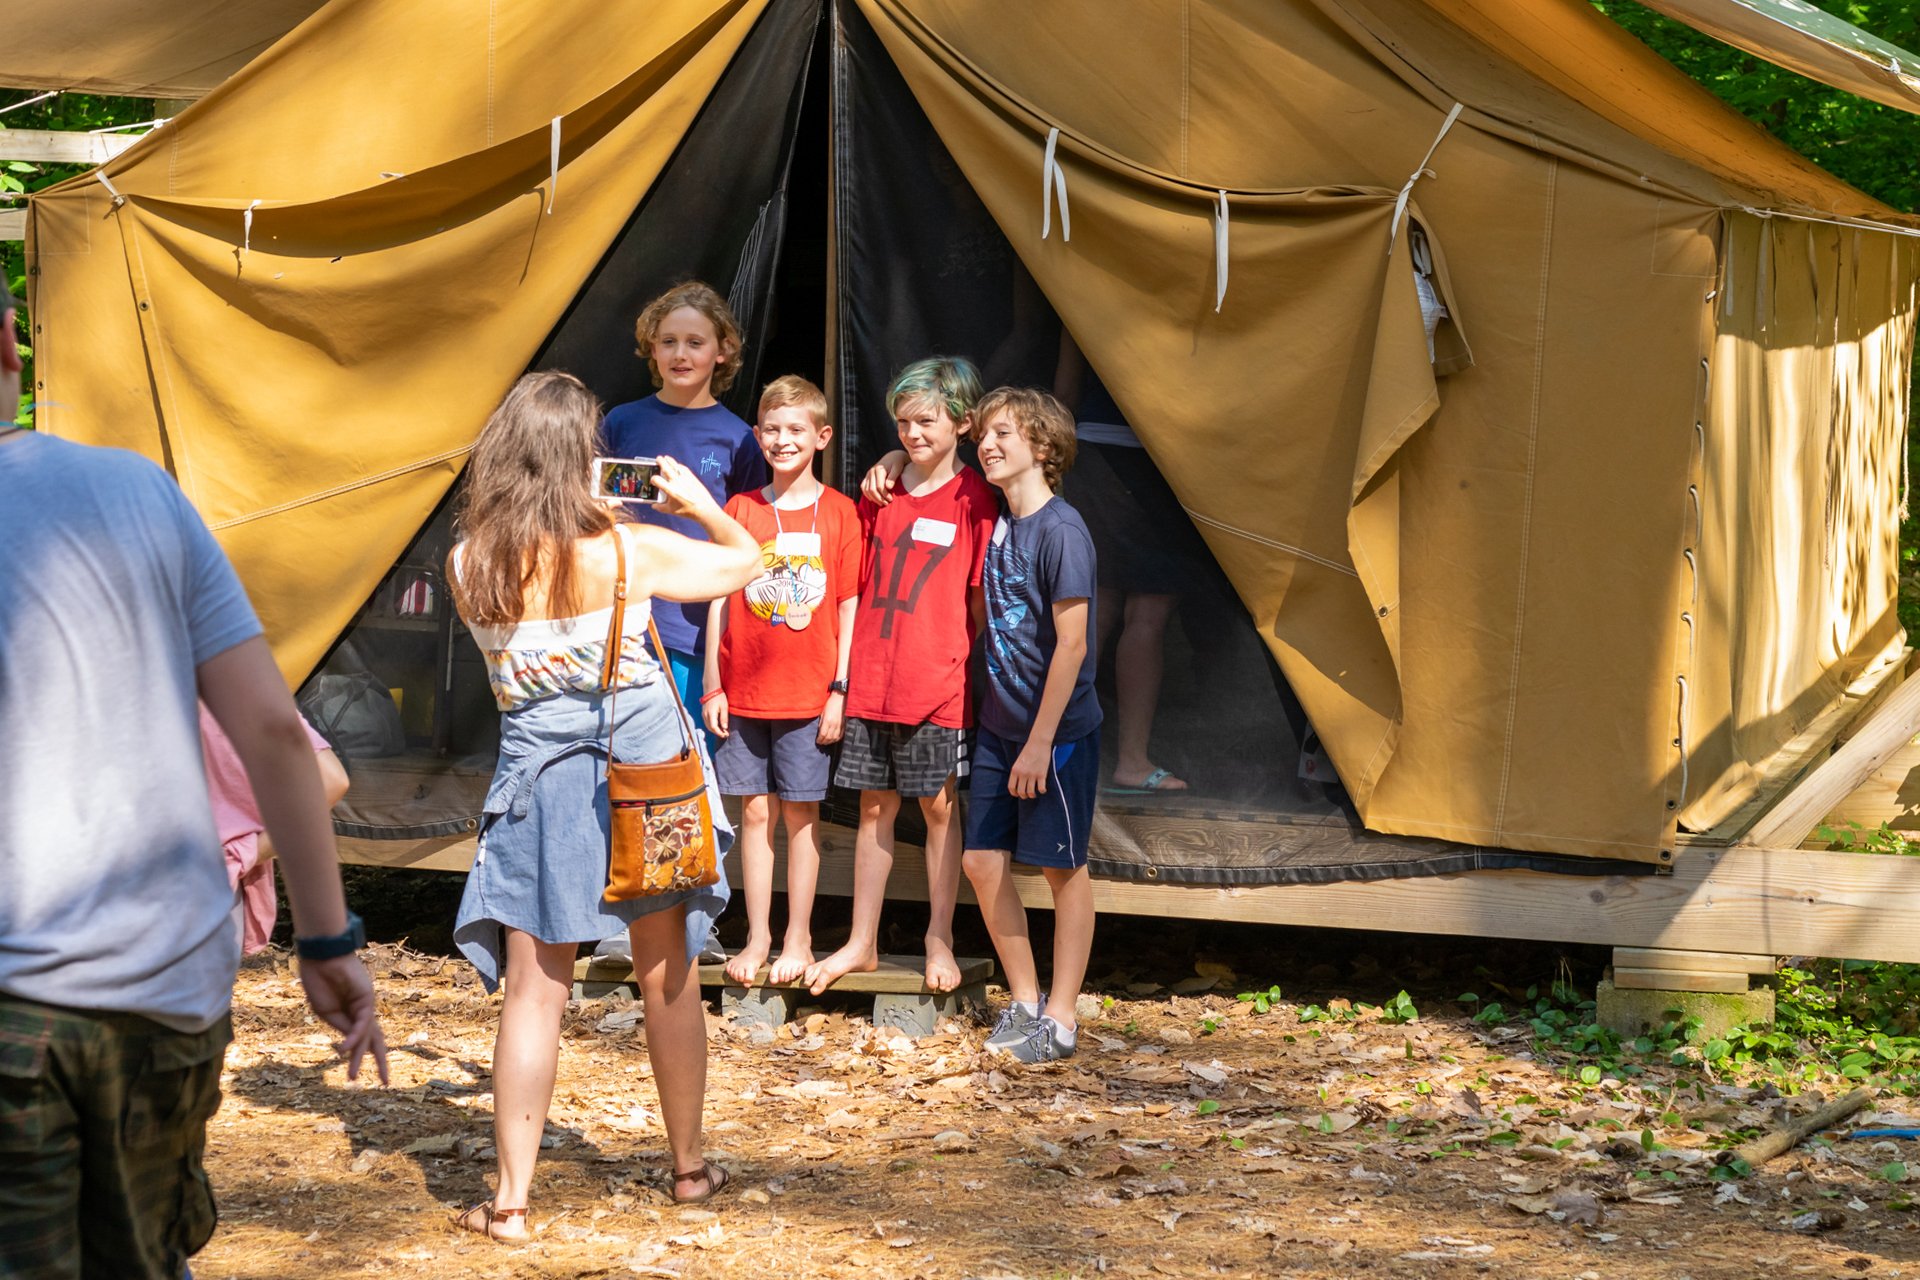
[{"x": 1193, "y": 1135}]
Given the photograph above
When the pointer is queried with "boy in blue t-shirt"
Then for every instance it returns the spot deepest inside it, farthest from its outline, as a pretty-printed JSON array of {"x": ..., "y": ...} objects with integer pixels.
[
  {"x": 692, "y": 344},
  {"x": 1036, "y": 766}
]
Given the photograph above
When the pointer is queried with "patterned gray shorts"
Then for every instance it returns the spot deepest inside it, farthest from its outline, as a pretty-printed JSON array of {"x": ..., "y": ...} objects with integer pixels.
[{"x": 913, "y": 759}]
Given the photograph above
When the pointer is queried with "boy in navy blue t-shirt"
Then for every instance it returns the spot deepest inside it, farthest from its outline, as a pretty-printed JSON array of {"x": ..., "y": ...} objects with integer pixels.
[
  {"x": 1036, "y": 766},
  {"x": 692, "y": 344}
]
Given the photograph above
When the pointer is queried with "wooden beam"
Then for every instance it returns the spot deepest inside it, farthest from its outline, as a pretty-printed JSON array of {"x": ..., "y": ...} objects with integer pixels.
[
  {"x": 1677, "y": 980},
  {"x": 1778, "y": 901},
  {"x": 1891, "y": 726},
  {"x": 1798, "y": 756},
  {"x": 13, "y": 224},
  {"x": 1691, "y": 961},
  {"x": 57, "y": 146},
  {"x": 443, "y": 853}
]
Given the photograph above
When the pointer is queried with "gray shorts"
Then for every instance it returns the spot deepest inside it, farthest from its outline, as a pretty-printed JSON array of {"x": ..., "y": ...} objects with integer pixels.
[
  {"x": 913, "y": 759},
  {"x": 773, "y": 758}
]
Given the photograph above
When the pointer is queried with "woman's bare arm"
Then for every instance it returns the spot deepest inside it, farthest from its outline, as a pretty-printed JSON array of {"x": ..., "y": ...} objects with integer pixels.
[{"x": 673, "y": 566}]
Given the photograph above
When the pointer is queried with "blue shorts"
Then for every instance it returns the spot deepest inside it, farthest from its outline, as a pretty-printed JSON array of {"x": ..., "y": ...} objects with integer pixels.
[
  {"x": 773, "y": 758},
  {"x": 1050, "y": 830},
  {"x": 689, "y": 678}
]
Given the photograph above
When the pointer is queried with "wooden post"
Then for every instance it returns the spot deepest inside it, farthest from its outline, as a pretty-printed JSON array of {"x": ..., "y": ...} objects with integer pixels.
[{"x": 1891, "y": 726}]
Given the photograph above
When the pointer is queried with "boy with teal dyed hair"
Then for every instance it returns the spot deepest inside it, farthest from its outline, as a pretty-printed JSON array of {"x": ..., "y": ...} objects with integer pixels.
[{"x": 909, "y": 707}]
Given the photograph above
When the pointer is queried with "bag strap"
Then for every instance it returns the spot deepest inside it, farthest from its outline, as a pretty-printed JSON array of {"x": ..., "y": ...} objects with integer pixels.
[{"x": 616, "y": 637}]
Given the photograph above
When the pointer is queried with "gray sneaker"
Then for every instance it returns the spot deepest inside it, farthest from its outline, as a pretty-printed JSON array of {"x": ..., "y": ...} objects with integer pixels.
[
  {"x": 1015, "y": 1025},
  {"x": 1047, "y": 1041}
]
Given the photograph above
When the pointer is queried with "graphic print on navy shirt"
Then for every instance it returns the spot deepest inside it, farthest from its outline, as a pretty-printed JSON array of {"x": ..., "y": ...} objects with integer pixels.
[{"x": 1032, "y": 562}]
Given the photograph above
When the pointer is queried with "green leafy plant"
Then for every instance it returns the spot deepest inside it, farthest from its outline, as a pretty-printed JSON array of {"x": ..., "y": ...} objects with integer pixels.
[
  {"x": 1262, "y": 1001},
  {"x": 1400, "y": 1011}
]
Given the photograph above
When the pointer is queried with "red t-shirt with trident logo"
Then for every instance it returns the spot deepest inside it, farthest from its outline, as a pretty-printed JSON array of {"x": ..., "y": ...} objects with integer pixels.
[{"x": 913, "y": 630}]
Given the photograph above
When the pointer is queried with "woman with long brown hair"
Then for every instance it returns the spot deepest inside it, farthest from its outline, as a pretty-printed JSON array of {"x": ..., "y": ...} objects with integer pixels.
[{"x": 533, "y": 579}]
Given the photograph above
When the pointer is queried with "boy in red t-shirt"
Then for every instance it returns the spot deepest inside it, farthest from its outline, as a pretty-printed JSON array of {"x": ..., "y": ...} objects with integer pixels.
[
  {"x": 776, "y": 669},
  {"x": 909, "y": 706}
]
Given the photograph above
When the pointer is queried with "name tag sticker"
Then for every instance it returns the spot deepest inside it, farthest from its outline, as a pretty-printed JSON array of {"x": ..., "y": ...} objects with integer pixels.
[
  {"x": 797, "y": 544},
  {"x": 938, "y": 532},
  {"x": 999, "y": 531}
]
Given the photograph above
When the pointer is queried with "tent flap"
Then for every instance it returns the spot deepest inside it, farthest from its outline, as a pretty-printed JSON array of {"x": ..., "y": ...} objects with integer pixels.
[{"x": 364, "y": 327}]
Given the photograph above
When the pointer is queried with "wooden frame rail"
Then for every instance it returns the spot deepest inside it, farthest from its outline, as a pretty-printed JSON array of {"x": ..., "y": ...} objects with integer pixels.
[
  {"x": 62, "y": 146},
  {"x": 1745, "y": 900}
]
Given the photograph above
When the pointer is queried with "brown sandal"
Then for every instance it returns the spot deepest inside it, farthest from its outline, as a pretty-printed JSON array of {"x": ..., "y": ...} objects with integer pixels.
[
  {"x": 717, "y": 1178},
  {"x": 489, "y": 1226}
]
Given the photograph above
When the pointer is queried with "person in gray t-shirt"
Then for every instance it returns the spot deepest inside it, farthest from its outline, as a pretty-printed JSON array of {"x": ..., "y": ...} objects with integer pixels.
[{"x": 117, "y": 951}]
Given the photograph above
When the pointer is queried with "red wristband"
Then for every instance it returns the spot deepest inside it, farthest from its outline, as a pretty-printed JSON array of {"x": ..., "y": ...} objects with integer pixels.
[{"x": 705, "y": 698}]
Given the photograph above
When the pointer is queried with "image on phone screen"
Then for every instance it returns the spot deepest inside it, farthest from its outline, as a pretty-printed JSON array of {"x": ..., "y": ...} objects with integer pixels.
[{"x": 628, "y": 479}]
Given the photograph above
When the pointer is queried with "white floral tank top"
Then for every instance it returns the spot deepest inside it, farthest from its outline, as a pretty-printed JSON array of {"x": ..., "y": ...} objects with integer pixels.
[{"x": 536, "y": 659}]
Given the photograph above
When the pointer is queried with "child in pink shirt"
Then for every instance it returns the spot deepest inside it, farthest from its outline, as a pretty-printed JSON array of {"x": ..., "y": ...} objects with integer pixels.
[{"x": 236, "y": 818}]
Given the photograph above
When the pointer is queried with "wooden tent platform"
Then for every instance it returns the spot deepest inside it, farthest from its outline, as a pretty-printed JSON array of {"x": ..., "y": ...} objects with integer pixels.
[
  {"x": 902, "y": 1000},
  {"x": 1744, "y": 888}
]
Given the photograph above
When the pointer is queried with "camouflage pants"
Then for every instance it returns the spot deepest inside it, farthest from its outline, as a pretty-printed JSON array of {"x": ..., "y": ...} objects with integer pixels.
[{"x": 103, "y": 1123}]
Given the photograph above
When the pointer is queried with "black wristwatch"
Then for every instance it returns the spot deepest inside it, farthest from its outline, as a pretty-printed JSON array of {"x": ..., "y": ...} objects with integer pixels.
[
  {"x": 837, "y": 686},
  {"x": 340, "y": 944}
]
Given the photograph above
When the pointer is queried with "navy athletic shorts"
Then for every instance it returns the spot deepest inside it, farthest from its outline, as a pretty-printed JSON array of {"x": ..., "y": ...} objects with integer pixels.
[{"x": 1050, "y": 830}]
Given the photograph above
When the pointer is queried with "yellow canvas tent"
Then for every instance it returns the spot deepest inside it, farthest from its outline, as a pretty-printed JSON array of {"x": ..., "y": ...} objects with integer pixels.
[{"x": 1563, "y": 578}]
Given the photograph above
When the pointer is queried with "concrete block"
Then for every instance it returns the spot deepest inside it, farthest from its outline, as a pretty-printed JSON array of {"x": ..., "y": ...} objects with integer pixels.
[
  {"x": 918, "y": 1014},
  {"x": 1630, "y": 1012},
  {"x": 757, "y": 1006}
]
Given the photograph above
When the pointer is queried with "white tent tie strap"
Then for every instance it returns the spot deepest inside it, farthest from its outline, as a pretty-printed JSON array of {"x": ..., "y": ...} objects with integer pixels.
[
  {"x": 1219, "y": 253},
  {"x": 1687, "y": 618},
  {"x": 1683, "y": 742},
  {"x": 553, "y": 163},
  {"x": 27, "y": 102},
  {"x": 1693, "y": 492},
  {"x": 143, "y": 124},
  {"x": 1053, "y": 178},
  {"x": 246, "y": 227},
  {"x": 1869, "y": 224},
  {"x": 1693, "y": 590},
  {"x": 1420, "y": 171}
]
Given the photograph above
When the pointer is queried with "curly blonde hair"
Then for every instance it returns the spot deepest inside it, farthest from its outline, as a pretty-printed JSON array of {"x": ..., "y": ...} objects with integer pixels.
[{"x": 705, "y": 299}]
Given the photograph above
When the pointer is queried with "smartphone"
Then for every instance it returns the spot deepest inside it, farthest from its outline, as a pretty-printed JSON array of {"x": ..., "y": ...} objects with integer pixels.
[{"x": 628, "y": 479}]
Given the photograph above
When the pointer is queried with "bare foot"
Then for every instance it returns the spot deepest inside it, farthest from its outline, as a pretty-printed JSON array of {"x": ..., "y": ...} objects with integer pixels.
[
  {"x": 795, "y": 959},
  {"x": 943, "y": 971},
  {"x": 848, "y": 959},
  {"x": 745, "y": 967}
]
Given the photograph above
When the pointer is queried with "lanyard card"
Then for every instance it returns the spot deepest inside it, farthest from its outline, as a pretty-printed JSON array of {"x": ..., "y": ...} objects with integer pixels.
[{"x": 797, "y": 545}]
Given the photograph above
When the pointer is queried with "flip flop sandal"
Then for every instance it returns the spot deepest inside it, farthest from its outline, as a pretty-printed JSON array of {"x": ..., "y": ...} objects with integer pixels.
[
  {"x": 717, "y": 1178},
  {"x": 495, "y": 1218},
  {"x": 1149, "y": 785}
]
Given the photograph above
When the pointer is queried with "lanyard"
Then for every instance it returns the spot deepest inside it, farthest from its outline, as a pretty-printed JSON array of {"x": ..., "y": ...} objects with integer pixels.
[{"x": 813, "y": 522}]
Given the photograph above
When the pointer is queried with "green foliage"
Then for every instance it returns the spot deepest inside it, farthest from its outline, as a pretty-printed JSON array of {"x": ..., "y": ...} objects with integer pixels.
[
  {"x": 1853, "y": 837},
  {"x": 1262, "y": 1001},
  {"x": 1854, "y": 1019},
  {"x": 1399, "y": 1010},
  {"x": 1864, "y": 143}
]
